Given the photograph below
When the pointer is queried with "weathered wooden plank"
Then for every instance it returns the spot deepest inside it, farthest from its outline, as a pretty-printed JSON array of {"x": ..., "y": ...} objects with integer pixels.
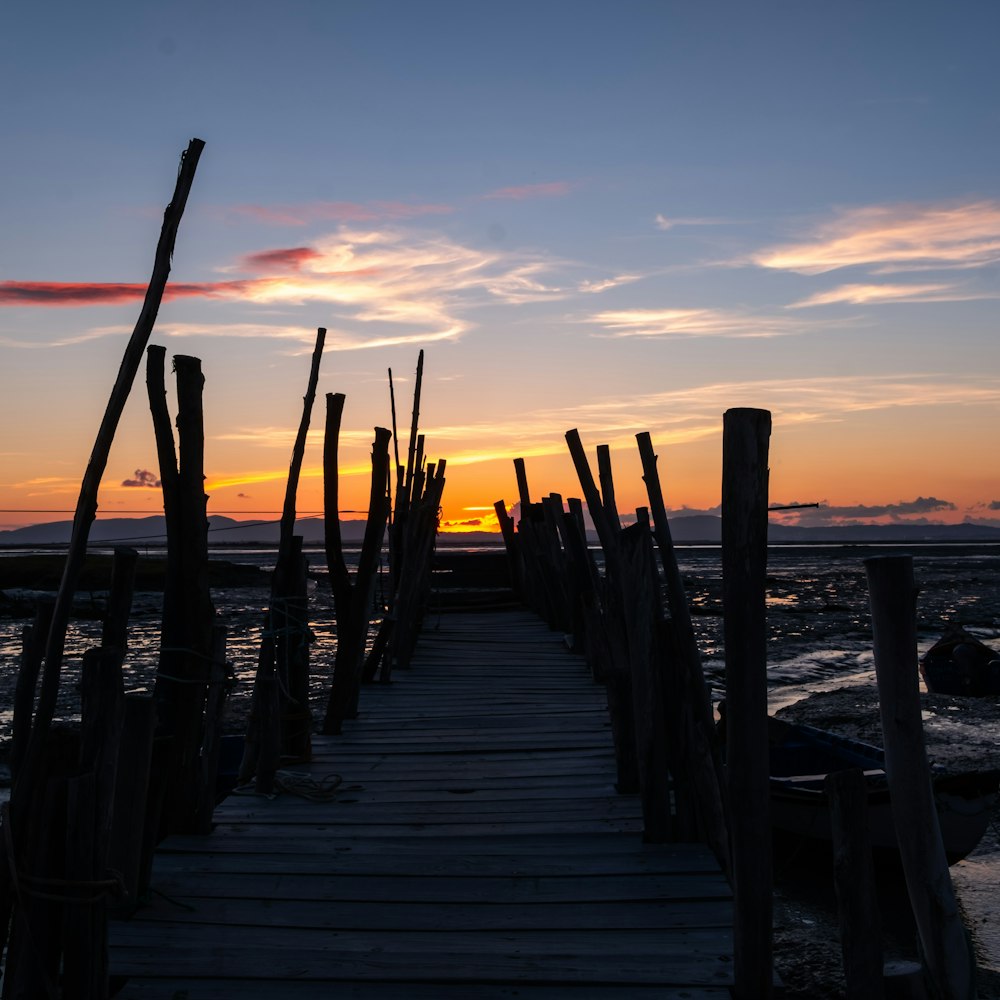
[
  {"x": 271, "y": 957},
  {"x": 444, "y": 888},
  {"x": 329, "y": 862},
  {"x": 622, "y": 915},
  {"x": 544, "y": 849},
  {"x": 248, "y": 989}
]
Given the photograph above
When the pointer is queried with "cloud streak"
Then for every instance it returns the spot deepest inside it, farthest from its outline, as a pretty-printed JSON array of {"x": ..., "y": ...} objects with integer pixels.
[
  {"x": 895, "y": 238},
  {"x": 692, "y": 414},
  {"x": 96, "y": 293},
  {"x": 524, "y": 192},
  {"x": 690, "y": 323},
  {"x": 874, "y": 294}
]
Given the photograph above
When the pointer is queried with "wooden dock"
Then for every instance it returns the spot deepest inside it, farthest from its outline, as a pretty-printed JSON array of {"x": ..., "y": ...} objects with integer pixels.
[{"x": 476, "y": 848}]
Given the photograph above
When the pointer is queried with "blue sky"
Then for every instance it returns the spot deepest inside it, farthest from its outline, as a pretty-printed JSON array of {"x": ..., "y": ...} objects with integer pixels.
[{"x": 617, "y": 217}]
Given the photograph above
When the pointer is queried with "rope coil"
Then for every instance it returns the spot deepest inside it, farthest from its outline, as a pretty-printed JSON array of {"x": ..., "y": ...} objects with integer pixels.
[{"x": 299, "y": 783}]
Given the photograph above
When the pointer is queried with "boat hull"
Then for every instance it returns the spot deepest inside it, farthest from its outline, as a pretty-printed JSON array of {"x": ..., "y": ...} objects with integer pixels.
[{"x": 802, "y": 756}]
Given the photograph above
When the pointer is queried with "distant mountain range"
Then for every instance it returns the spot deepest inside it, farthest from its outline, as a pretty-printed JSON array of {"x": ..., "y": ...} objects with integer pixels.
[
  {"x": 686, "y": 529},
  {"x": 152, "y": 531}
]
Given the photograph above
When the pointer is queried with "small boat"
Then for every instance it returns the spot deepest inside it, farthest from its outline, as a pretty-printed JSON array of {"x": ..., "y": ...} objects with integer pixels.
[
  {"x": 959, "y": 663},
  {"x": 801, "y": 758}
]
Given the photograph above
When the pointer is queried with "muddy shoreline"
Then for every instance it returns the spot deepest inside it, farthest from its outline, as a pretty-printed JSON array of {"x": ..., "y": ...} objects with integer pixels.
[{"x": 820, "y": 672}]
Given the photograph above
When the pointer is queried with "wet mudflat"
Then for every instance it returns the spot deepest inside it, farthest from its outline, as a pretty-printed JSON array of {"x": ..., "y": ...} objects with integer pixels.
[{"x": 820, "y": 670}]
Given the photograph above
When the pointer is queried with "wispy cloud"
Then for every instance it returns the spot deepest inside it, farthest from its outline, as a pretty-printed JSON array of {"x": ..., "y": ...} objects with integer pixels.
[
  {"x": 690, "y": 323},
  {"x": 873, "y": 294},
  {"x": 695, "y": 412},
  {"x": 311, "y": 212},
  {"x": 895, "y": 237},
  {"x": 522, "y": 192},
  {"x": 603, "y": 285},
  {"x": 665, "y": 222}
]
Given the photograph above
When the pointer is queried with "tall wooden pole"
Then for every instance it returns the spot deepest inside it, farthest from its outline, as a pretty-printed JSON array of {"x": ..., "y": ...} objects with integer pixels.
[{"x": 744, "y": 571}]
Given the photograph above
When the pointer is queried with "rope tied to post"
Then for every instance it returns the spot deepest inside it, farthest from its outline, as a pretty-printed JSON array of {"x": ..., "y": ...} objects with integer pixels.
[
  {"x": 229, "y": 680},
  {"x": 90, "y": 891}
]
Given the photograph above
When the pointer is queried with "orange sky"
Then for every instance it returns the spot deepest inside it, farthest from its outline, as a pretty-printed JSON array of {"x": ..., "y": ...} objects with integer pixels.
[{"x": 628, "y": 220}]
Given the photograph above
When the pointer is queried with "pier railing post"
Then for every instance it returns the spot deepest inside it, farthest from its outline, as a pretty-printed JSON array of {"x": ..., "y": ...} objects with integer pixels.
[{"x": 744, "y": 570}]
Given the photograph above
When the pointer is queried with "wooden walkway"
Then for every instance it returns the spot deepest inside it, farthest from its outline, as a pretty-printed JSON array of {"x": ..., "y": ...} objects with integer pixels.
[{"x": 476, "y": 849}]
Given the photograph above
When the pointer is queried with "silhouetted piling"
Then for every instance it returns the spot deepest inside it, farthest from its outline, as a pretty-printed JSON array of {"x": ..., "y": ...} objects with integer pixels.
[{"x": 744, "y": 572}]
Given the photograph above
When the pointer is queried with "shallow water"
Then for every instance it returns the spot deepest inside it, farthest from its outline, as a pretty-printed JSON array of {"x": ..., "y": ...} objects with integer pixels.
[{"x": 819, "y": 635}]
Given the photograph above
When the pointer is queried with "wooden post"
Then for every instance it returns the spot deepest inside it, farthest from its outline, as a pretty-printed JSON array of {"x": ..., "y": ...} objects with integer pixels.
[
  {"x": 131, "y": 792},
  {"x": 352, "y": 601},
  {"x": 511, "y": 544},
  {"x": 553, "y": 560},
  {"x": 291, "y": 647},
  {"x": 523, "y": 494},
  {"x": 693, "y": 717},
  {"x": 411, "y": 467},
  {"x": 28, "y": 782},
  {"x": 607, "y": 530},
  {"x": 188, "y": 613},
  {"x": 413, "y": 586},
  {"x": 618, "y": 676},
  {"x": 641, "y": 604},
  {"x": 854, "y": 880},
  {"x": 220, "y": 679},
  {"x": 91, "y": 806},
  {"x": 114, "y": 634},
  {"x": 607, "y": 484},
  {"x": 945, "y": 946},
  {"x": 284, "y": 633},
  {"x": 744, "y": 572},
  {"x": 32, "y": 650}
]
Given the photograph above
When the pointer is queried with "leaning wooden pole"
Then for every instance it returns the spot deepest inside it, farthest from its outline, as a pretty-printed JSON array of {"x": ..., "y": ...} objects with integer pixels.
[
  {"x": 287, "y": 614},
  {"x": 411, "y": 455},
  {"x": 27, "y": 780},
  {"x": 946, "y": 949},
  {"x": 299, "y": 448},
  {"x": 744, "y": 572},
  {"x": 700, "y": 738},
  {"x": 86, "y": 506}
]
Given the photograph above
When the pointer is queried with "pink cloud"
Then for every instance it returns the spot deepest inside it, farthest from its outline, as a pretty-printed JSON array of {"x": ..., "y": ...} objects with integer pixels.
[
  {"x": 97, "y": 293},
  {"x": 290, "y": 259},
  {"x": 552, "y": 189}
]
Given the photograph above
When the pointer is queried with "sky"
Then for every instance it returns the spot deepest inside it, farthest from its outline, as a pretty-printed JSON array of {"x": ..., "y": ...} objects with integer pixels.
[{"x": 611, "y": 216}]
